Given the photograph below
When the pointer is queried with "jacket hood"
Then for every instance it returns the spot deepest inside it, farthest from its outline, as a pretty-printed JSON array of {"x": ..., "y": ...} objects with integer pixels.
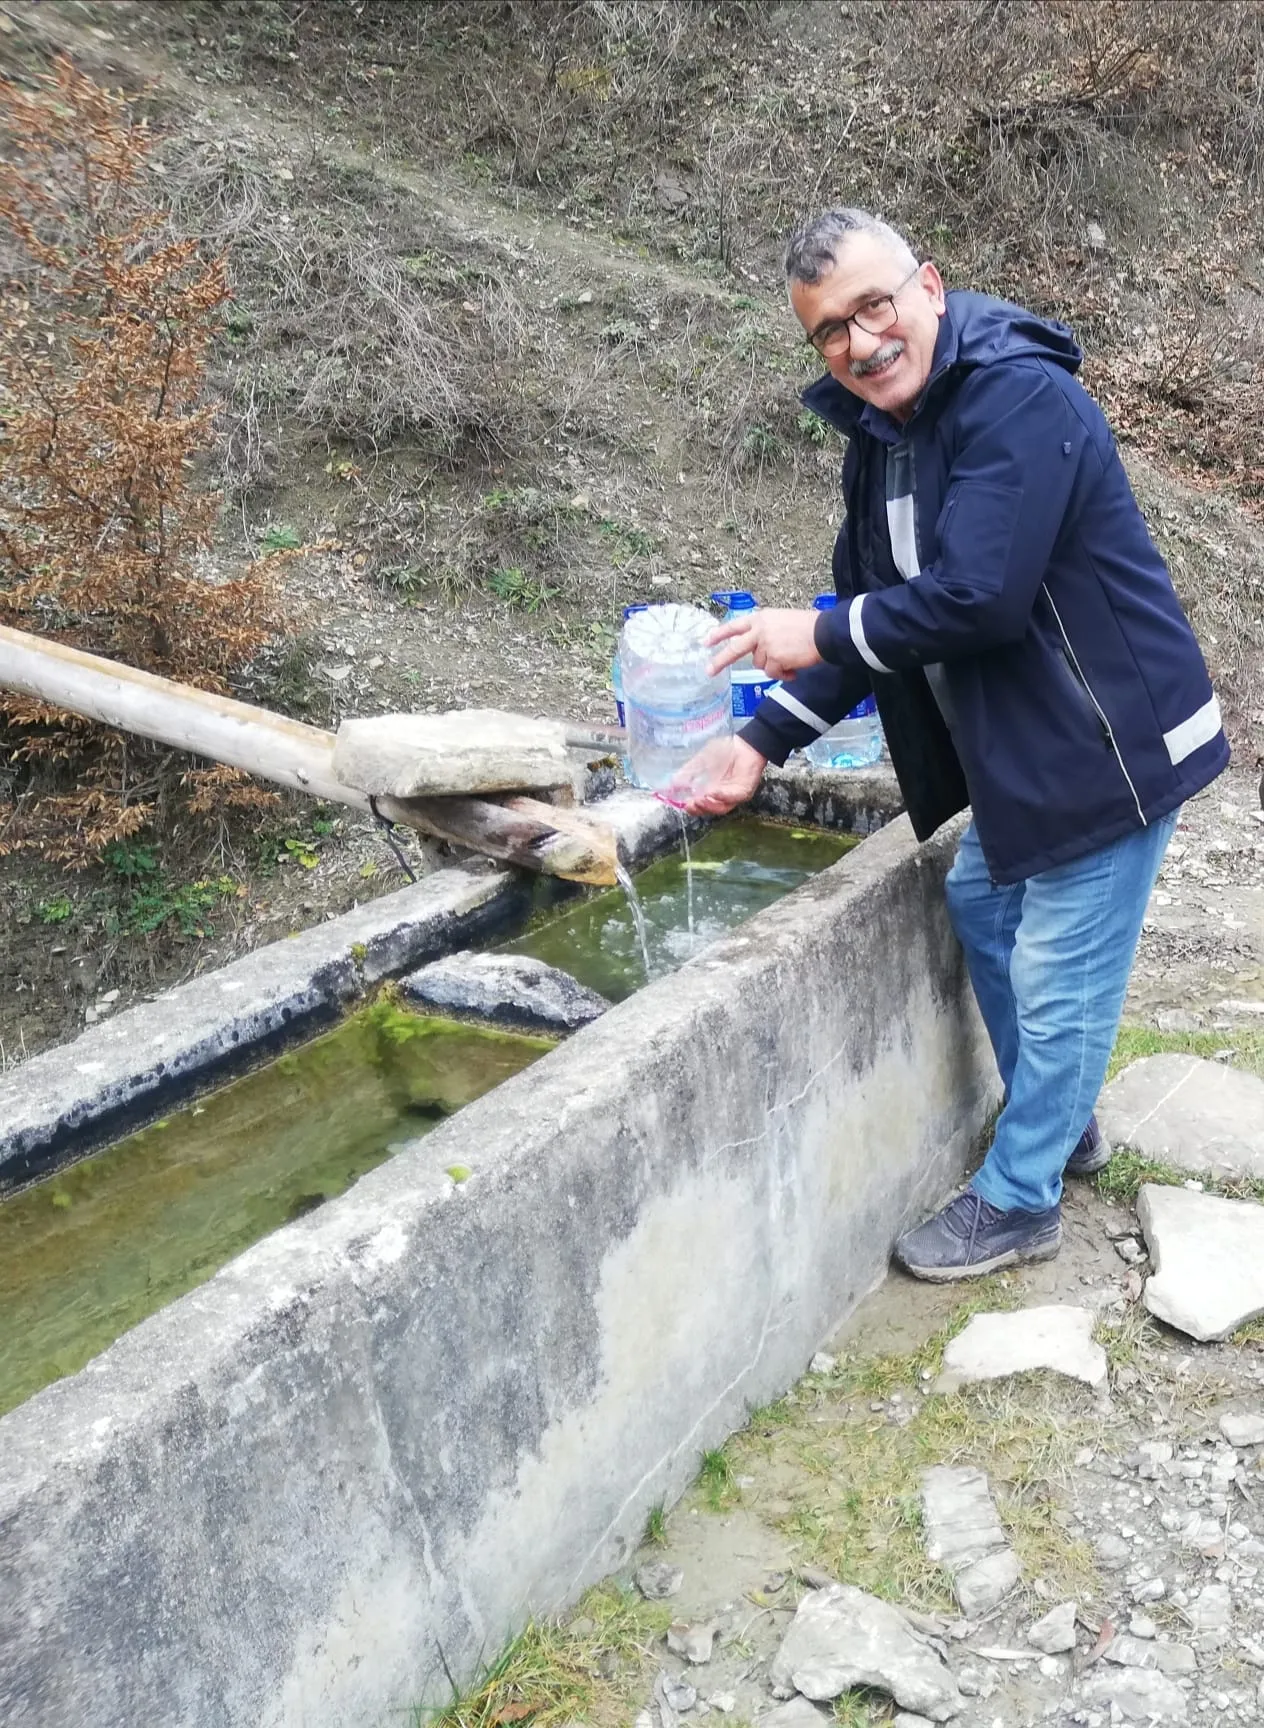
[{"x": 975, "y": 330}]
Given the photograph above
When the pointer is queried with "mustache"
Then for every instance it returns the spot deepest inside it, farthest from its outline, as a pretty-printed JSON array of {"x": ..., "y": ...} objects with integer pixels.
[{"x": 875, "y": 362}]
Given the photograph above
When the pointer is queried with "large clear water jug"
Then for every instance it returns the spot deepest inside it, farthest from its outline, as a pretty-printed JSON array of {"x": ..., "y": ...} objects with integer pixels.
[
  {"x": 856, "y": 742},
  {"x": 750, "y": 683},
  {"x": 672, "y": 703}
]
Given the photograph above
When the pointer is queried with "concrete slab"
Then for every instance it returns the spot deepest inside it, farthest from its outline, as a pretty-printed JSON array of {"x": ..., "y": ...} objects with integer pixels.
[
  {"x": 1208, "y": 1260},
  {"x": 1198, "y": 1115},
  {"x": 64, "y": 1103},
  {"x": 372, "y": 1446},
  {"x": 1057, "y": 1337}
]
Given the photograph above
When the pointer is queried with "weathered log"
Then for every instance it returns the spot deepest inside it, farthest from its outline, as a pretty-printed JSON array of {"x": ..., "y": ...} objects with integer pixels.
[{"x": 289, "y": 753}]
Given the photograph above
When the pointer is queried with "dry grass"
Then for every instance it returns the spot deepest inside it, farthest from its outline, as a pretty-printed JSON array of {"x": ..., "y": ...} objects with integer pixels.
[
  {"x": 581, "y": 1668},
  {"x": 853, "y": 1476}
]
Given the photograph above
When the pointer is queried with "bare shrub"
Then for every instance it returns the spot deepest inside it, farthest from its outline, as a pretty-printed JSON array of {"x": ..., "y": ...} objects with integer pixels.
[
  {"x": 108, "y": 321},
  {"x": 353, "y": 314}
]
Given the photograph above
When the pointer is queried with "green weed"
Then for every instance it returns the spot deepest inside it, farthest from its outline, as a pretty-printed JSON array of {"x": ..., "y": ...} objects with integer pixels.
[
  {"x": 280, "y": 537},
  {"x": 1134, "y": 1042},
  {"x": 55, "y": 911},
  {"x": 626, "y": 542},
  {"x": 580, "y": 1669},
  {"x": 761, "y": 442},
  {"x": 715, "y": 1478},
  {"x": 655, "y": 1528},
  {"x": 517, "y": 589},
  {"x": 813, "y": 428}
]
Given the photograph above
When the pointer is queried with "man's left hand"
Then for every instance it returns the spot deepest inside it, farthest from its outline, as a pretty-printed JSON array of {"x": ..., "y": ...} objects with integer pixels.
[{"x": 779, "y": 642}]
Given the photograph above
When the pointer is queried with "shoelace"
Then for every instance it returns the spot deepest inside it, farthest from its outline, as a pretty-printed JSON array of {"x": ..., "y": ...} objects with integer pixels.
[{"x": 978, "y": 1211}]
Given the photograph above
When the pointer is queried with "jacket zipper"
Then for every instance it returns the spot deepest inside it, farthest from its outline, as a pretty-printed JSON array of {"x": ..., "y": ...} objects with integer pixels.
[{"x": 1088, "y": 691}]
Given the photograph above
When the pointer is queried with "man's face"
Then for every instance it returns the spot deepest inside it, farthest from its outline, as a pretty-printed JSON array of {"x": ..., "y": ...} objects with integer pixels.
[{"x": 889, "y": 369}]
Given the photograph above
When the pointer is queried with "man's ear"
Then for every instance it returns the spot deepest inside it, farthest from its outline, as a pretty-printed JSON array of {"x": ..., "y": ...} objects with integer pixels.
[{"x": 933, "y": 283}]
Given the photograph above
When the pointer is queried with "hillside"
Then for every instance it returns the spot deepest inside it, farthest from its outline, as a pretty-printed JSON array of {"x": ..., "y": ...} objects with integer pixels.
[{"x": 508, "y": 346}]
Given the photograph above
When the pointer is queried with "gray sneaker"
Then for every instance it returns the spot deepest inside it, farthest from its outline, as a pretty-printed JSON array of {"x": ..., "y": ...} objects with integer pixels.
[
  {"x": 971, "y": 1238},
  {"x": 1092, "y": 1152}
]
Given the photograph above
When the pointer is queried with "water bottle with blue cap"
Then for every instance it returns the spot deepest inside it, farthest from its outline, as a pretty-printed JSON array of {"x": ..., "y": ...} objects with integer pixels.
[
  {"x": 856, "y": 742},
  {"x": 749, "y": 683}
]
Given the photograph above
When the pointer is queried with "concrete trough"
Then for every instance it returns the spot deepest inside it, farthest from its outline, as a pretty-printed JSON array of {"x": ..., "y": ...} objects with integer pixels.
[{"x": 360, "y": 1456}]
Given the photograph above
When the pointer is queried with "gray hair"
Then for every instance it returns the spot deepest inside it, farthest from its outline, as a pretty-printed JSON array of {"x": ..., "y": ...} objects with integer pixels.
[{"x": 812, "y": 250}]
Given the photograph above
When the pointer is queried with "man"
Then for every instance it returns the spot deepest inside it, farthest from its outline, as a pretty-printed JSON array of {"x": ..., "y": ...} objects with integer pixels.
[{"x": 1000, "y": 595}]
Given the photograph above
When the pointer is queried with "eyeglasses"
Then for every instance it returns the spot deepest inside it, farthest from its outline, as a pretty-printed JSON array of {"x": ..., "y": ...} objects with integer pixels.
[{"x": 876, "y": 316}]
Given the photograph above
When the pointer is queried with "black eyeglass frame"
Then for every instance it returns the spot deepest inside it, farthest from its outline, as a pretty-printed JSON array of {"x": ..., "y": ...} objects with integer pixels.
[{"x": 825, "y": 339}]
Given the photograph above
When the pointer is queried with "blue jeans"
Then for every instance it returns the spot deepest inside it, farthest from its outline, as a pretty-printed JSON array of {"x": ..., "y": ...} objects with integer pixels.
[{"x": 1049, "y": 959}]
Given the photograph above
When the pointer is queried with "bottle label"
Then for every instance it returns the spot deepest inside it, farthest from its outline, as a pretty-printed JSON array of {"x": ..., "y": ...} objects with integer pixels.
[
  {"x": 621, "y": 710},
  {"x": 749, "y": 690},
  {"x": 864, "y": 710},
  {"x": 674, "y": 728}
]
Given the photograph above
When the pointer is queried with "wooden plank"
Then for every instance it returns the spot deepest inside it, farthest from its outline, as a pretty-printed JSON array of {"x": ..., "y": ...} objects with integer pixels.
[{"x": 288, "y": 753}]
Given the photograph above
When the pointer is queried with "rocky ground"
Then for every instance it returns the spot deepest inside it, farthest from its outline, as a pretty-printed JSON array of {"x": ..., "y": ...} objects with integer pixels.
[{"x": 1026, "y": 1501}]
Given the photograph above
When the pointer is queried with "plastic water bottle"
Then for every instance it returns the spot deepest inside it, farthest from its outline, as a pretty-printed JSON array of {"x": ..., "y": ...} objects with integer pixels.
[
  {"x": 750, "y": 684},
  {"x": 672, "y": 703},
  {"x": 616, "y": 682},
  {"x": 856, "y": 742},
  {"x": 616, "y": 669}
]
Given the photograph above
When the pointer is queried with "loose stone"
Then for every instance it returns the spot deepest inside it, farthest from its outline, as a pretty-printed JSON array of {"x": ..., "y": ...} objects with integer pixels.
[
  {"x": 841, "y": 1637},
  {"x": 993, "y": 1345},
  {"x": 1054, "y": 1632},
  {"x": 964, "y": 1534},
  {"x": 659, "y": 1579},
  {"x": 1208, "y": 1258}
]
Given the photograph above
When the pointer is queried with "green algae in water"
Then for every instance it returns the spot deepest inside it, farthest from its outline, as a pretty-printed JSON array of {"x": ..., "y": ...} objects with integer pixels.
[
  {"x": 90, "y": 1252},
  {"x": 740, "y": 866}
]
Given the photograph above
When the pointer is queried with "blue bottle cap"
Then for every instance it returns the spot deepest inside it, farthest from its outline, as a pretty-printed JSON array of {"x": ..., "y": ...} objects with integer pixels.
[
  {"x": 637, "y": 606},
  {"x": 736, "y": 599},
  {"x": 825, "y": 602}
]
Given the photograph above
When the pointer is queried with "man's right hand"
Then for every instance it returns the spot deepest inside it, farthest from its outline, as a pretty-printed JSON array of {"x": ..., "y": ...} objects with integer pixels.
[{"x": 721, "y": 776}]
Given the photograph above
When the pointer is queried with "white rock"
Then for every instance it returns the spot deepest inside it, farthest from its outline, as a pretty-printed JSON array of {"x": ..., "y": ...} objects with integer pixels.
[
  {"x": 1139, "y": 1694},
  {"x": 659, "y": 1579},
  {"x": 906, "y": 1719},
  {"x": 1208, "y": 1259},
  {"x": 692, "y": 1642},
  {"x": 841, "y": 1637},
  {"x": 724, "y": 1702},
  {"x": 964, "y": 1535},
  {"x": 1054, "y": 1632},
  {"x": 822, "y": 1363},
  {"x": 795, "y": 1713},
  {"x": 1056, "y": 1337},
  {"x": 1182, "y": 1110},
  {"x": 1051, "y": 1667},
  {"x": 1245, "y": 1430},
  {"x": 1141, "y": 1626},
  {"x": 1212, "y": 1608}
]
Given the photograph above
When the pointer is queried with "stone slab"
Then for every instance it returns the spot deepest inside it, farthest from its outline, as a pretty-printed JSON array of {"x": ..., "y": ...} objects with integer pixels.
[
  {"x": 1138, "y": 1694},
  {"x": 468, "y": 751},
  {"x": 1243, "y": 1429},
  {"x": 1200, "y": 1116},
  {"x": 1057, "y": 1337},
  {"x": 62, "y": 1104},
  {"x": 380, "y": 1440},
  {"x": 964, "y": 1536},
  {"x": 841, "y": 1637},
  {"x": 1208, "y": 1260},
  {"x": 510, "y": 988}
]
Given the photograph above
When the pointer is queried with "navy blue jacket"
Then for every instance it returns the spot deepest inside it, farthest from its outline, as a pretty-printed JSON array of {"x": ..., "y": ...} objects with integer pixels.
[{"x": 1081, "y": 707}]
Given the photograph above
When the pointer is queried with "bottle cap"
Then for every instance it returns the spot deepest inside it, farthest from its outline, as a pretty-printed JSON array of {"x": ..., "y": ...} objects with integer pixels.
[
  {"x": 736, "y": 599},
  {"x": 636, "y": 606},
  {"x": 825, "y": 602}
]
